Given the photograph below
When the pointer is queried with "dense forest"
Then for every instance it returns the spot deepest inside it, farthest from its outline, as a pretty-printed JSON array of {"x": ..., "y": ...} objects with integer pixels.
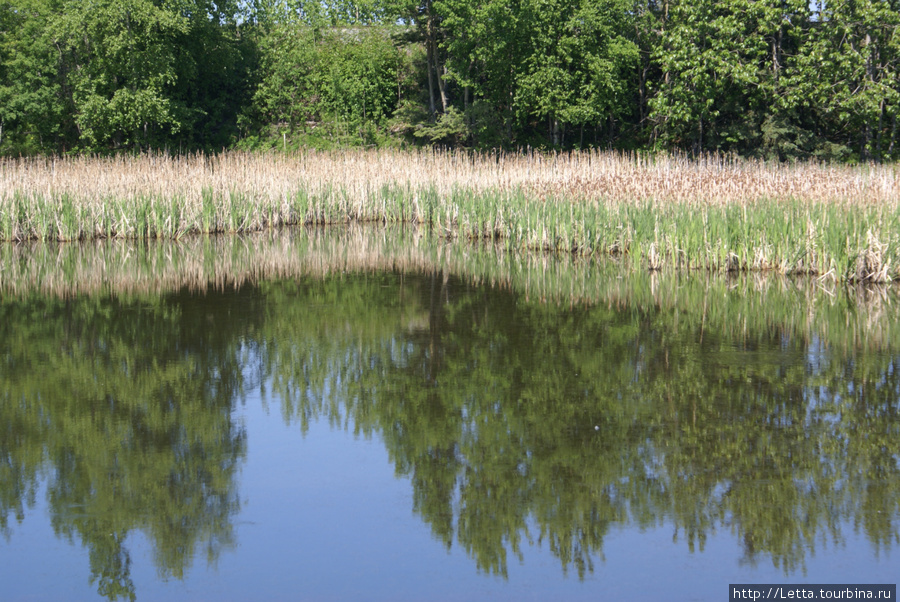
[{"x": 777, "y": 79}]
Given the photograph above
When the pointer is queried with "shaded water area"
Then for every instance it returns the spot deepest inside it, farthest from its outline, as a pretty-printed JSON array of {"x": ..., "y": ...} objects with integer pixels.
[{"x": 374, "y": 414}]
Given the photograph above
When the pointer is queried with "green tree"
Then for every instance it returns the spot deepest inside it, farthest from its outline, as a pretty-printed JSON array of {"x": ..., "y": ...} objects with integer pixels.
[
  {"x": 778, "y": 79},
  {"x": 121, "y": 67},
  {"x": 580, "y": 64},
  {"x": 215, "y": 62},
  {"x": 331, "y": 83},
  {"x": 486, "y": 46},
  {"x": 555, "y": 62},
  {"x": 845, "y": 77},
  {"x": 33, "y": 103},
  {"x": 723, "y": 66}
]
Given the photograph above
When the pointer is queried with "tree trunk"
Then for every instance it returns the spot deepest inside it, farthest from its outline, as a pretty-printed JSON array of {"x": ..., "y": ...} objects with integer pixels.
[
  {"x": 466, "y": 116},
  {"x": 654, "y": 136},
  {"x": 432, "y": 108},
  {"x": 776, "y": 55},
  {"x": 893, "y": 135},
  {"x": 864, "y": 145},
  {"x": 435, "y": 70},
  {"x": 699, "y": 146},
  {"x": 442, "y": 85},
  {"x": 879, "y": 134},
  {"x": 642, "y": 95},
  {"x": 466, "y": 89}
]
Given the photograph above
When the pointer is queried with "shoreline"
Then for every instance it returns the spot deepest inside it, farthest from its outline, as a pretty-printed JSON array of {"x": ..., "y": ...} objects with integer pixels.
[{"x": 655, "y": 212}]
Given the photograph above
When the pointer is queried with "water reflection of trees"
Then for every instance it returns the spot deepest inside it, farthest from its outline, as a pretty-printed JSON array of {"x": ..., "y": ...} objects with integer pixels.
[
  {"x": 522, "y": 422},
  {"x": 516, "y": 421},
  {"x": 125, "y": 407}
]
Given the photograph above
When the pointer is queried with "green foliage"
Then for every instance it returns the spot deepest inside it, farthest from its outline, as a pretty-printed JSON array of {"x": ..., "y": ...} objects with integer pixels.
[
  {"x": 318, "y": 13},
  {"x": 721, "y": 63},
  {"x": 33, "y": 109},
  {"x": 215, "y": 66},
  {"x": 559, "y": 61},
  {"x": 329, "y": 83},
  {"x": 771, "y": 79},
  {"x": 853, "y": 50},
  {"x": 578, "y": 67},
  {"x": 776, "y": 80},
  {"x": 123, "y": 69},
  {"x": 115, "y": 75},
  {"x": 449, "y": 129}
]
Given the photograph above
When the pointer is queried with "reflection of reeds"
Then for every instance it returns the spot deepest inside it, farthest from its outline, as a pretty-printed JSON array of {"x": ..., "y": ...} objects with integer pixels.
[
  {"x": 128, "y": 267},
  {"x": 712, "y": 213},
  {"x": 740, "y": 303}
]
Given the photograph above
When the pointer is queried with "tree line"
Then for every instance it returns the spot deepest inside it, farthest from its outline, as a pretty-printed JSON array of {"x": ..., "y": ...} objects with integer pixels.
[{"x": 776, "y": 79}]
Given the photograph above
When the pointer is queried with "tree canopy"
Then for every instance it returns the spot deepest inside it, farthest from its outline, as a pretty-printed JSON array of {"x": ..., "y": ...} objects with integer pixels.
[{"x": 764, "y": 78}]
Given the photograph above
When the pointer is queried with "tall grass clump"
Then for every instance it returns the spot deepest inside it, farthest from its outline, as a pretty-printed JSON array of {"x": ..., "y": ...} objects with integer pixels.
[{"x": 662, "y": 211}]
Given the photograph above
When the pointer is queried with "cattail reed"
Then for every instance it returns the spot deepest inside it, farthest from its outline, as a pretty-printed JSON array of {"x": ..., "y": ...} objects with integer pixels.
[{"x": 712, "y": 213}]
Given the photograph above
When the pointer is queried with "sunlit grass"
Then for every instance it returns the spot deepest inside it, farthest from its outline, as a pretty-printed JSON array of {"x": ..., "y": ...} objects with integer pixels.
[{"x": 838, "y": 222}]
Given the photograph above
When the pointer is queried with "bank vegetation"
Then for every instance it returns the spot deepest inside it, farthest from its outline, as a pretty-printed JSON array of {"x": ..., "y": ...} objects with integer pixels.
[{"x": 716, "y": 213}]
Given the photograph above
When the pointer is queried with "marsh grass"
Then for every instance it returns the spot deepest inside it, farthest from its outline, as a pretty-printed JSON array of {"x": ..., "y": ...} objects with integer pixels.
[{"x": 837, "y": 222}]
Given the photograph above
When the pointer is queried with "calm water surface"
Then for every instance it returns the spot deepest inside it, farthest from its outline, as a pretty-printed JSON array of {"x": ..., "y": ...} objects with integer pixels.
[{"x": 382, "y": 435}]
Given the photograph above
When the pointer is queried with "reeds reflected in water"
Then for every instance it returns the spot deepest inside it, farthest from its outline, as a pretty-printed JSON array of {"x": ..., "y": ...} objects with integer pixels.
[{"x": 850, "y": 316}]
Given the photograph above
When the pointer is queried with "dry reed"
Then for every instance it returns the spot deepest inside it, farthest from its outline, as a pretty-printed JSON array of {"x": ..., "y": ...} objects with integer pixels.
[{"x": 712, "y": 213}]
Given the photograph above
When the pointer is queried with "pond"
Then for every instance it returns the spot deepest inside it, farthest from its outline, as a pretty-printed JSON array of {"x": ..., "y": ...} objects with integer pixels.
[{"x": 380, "y": 415}]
